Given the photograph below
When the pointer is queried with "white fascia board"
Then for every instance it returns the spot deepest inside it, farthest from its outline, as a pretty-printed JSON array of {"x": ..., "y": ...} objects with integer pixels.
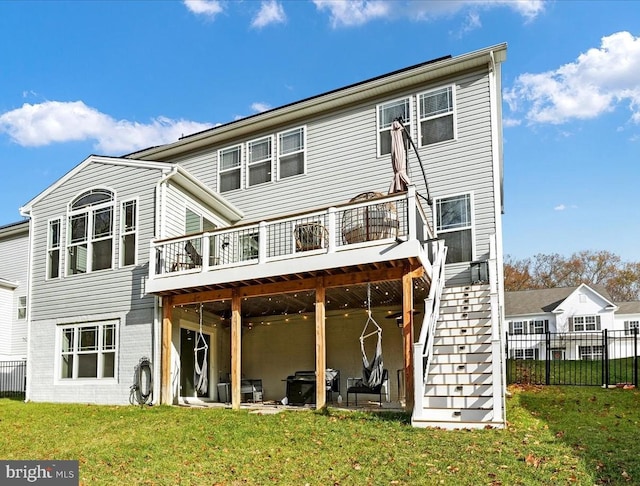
[
  {"x": 608, "y": 303},
  {"x": 8, "y": 284},
  {"x": 337, "y": 99},
  {"x": 100, "y": 159}
]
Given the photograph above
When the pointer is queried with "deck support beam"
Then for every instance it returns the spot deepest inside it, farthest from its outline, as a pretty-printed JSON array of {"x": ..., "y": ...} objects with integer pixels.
[
  {"x": 321, "y": 349},
  {"x": 236, "y": 350},
  {"x": 407, "y": 335},
  {"x": 165, "y": 369}
]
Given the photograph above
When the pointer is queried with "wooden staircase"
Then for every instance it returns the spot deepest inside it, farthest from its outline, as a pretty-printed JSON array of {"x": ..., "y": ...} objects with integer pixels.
[{"x": 464, "y": 382}]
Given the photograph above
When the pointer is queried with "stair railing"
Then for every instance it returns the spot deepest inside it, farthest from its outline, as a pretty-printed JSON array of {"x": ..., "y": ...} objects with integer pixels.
[{"x": 422, "y": 350}]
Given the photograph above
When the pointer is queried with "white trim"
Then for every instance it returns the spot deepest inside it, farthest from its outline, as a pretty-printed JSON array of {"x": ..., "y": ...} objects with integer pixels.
[
  {"x": 61, "y": 248},
  {"x": 249, "y": 164},
  {"x": 143, "y": 164},
  {"x": 453, "y": 113},
  {"x": 221, "y": 171},
  {"x": 304, "y": 129},
  {"x": 407, "y": 123},
  {"x": 122, "y": 233}
]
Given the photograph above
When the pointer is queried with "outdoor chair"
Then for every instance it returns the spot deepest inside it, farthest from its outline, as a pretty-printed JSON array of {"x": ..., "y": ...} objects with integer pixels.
[{"x": 357, "y": 387}]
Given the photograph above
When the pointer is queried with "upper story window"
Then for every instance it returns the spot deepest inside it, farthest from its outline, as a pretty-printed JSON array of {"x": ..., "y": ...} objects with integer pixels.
[
  {"x": 387, "y": 112},
  {"x": 128, "y": 232},
  {"x": 53, "y": 248},
  {"x": 230, "y": 168},
  {"x": 22, "y": 307},
  {"x": 436, "y": 120},
  {"x": 291, "y": 152},
  {"x": 90, "y": 233},
  {"x": 454, "y": 224},
  {"x": 584, "y": 323},
  {"x": 259, "y": 161}
]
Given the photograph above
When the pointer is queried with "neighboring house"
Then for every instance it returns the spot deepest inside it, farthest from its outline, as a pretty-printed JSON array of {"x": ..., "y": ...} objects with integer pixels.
[
  {"x": 238, "y": 256},
  {"x": 574, "y": 318},
  {"x": 14, "y": 289}
]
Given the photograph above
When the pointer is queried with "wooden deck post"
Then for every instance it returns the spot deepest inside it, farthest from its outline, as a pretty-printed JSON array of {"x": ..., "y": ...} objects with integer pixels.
[
  {"x": 165, "y": 367},
  {"x": 236, "y": 348},
  {"x": 321, "y": 350},
  {"x": 407, "y": 336}
]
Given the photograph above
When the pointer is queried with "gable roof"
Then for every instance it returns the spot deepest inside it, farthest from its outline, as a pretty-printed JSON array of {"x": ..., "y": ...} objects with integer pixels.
[
  {"x": 26, "y": 209},
  {"x": 377, "y": 87},
  {"x": 539, "y": 301},
  {"x": 632, "y": 307}
]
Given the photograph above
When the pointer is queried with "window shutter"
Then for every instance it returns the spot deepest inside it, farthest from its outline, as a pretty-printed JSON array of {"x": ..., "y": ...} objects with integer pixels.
[
  {"x": 571, "y": 324},
  {"x": 598, "y": 323},
  {"x": 510, "y": 328},
  {"x": 626, "y": 328},
  {"x": 546, "y": 325}
]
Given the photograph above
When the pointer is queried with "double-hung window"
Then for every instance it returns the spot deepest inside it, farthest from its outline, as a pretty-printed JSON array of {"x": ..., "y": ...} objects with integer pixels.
[
  {"x": 22, "y": 307},
  {"x": 517, "y": 327},
  {"x": 437, "y": 119},
  {"x": 523, "y": 354},
  {"x": 584, "y": 323},
  {"x": 90, "y": 240},
  {"x": 88, "y": 350},
  {"x": 454, "y": 224},
  {"x": 259, "y": 161},
  {"x": 387, "y": 112},
  {"x": 291, "y": 152},
  {"x": 590, "y": 353},
  {"x": 230, "y": 168},
  {"x": 539, "y": 326},
  {"x": 128, "y": 232},
  {"x": 631, "y": 327},
  {"x": 53, "y": 249}
]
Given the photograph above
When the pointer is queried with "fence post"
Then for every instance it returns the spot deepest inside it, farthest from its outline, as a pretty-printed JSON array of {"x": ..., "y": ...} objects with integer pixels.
[
  {"x": 605, "y": 359},
  {"x": 547, "y": 361},
  {"x": 506, "y": 354},
  {"x": 635, "y": 356}
]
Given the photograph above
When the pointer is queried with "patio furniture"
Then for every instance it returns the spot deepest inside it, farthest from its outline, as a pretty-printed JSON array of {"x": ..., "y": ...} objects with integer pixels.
[
  {"x": 371, "y": 222},
  {"x": 301, "y": 386},
  {"x": 310, "y": 236},
  {"x": 357, "y": 387}
]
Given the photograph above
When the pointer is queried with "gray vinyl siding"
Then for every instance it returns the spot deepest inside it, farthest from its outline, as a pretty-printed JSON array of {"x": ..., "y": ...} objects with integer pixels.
[
  {"x": 14, "y": 261},
  {"x": 177, "y": 202},
  {"x": 118, "y": 289},
  {"x": 342, "y": 163}
]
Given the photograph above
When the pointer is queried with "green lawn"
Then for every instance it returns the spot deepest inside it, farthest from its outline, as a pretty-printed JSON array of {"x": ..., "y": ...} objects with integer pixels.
[{"x": 556, "y": 435}]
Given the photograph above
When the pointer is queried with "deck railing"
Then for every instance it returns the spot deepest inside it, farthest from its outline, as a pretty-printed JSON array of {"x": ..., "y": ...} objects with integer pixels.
[{"x": 365, "y": 222}]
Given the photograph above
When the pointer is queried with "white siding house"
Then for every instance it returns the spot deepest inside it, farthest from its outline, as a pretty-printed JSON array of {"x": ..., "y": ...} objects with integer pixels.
[{"x": 240, "y": 257}]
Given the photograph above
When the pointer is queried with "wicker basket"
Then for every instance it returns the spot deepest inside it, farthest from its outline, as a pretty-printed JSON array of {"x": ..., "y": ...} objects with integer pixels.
[{"x": 371, "y": 222}]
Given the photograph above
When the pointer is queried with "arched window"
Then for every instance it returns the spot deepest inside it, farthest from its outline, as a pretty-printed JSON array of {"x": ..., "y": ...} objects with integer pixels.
[{"x": 90, "y": 239}]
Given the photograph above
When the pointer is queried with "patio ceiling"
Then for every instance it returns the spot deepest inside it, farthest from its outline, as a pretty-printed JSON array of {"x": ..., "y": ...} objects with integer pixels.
[{"x": 385, "y": 295}]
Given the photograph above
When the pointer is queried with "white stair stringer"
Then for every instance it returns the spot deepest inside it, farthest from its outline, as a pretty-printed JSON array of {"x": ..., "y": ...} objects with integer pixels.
[{"x": 459, "y": 390}]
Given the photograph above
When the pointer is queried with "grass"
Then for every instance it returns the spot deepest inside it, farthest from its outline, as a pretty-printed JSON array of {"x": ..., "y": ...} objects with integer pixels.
[{"x": 556, "y": 435}]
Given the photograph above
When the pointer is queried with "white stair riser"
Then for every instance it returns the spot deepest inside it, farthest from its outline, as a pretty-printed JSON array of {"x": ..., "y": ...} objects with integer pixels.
[
  {"x": 471, "y": 307},
  {"x": 463, "y": 349},
  {"x": 458, "y": 402},
  {"x": 463, "y": 331},
  {"x": 461, "y": 379},
  {"x": 459, "y": 390},
  {"x": 449, "y": 368},
  {"x": 460, "y": 323},
  {"x": 459, "y": 340},
  {"x": 461, "y": 358},
  {"x": 459, "y": 415},
  {"x": 463, "y": 316}
]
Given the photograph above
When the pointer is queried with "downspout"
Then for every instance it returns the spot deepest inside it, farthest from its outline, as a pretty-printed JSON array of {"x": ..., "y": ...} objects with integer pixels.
[
  {"x": 497, "y": 156},
  {"x": 27, "y": 394},
  {"x": 156, "y": 333}
]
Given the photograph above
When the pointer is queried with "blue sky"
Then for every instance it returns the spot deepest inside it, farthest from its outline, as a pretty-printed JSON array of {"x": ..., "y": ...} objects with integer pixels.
[{"x": 111, "y": 77}]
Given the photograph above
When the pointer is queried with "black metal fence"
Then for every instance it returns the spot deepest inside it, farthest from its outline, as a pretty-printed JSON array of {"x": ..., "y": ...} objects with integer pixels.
[
  {"x": 597, "y": 358},
  {"x": 13, "y": 378}
]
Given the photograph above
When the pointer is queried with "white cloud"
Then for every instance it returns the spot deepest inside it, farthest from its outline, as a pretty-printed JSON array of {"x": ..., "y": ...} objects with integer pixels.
[
  {"x": 58, "y": 121},
  {"x": 357, "y": 12},
  {"x": 260, "y": 107},
  {"x": 271, "y": 12},
  {"x": 595, "y": 83},
  {"x": 208, "y": 8},
  {"x": 560, "y": 207}
]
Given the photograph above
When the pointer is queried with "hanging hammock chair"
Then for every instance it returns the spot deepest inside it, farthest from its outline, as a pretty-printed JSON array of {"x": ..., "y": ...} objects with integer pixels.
[
  {"x": 201, "y": 351},
  {"x": 372, "y": 370}
]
